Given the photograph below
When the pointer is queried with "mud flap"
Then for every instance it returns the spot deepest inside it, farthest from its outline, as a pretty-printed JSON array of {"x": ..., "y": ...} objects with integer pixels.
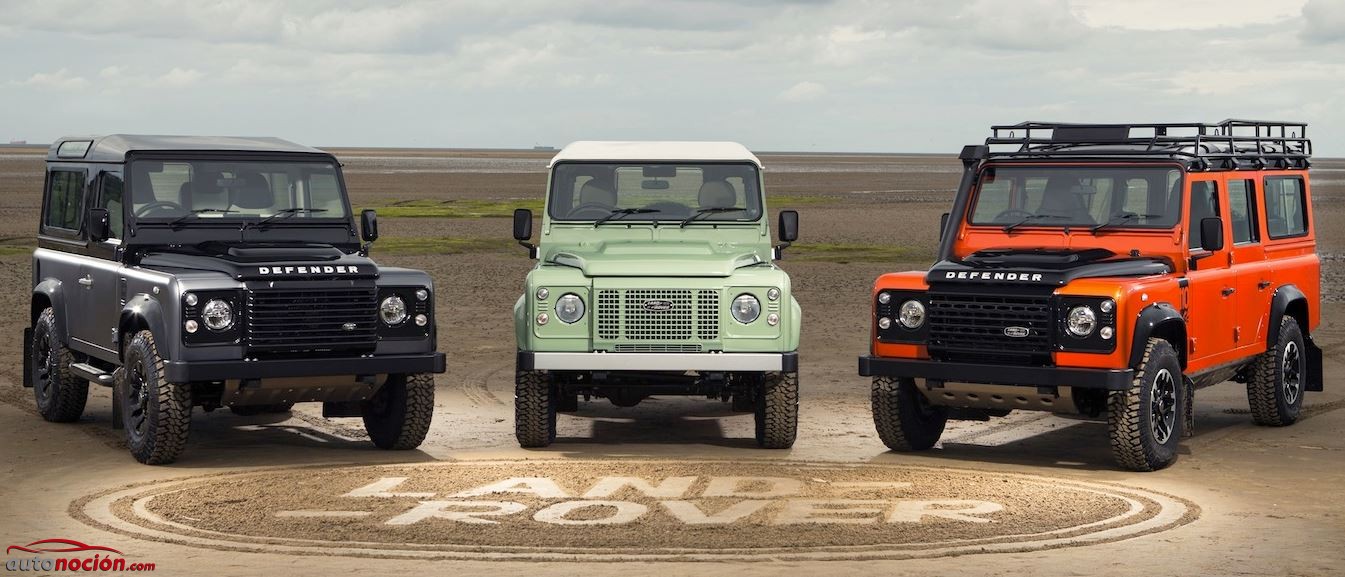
[
  {"x": 342, "y": 409},
  {"x": 1189, "y": 400},
  {"x": 118, "y": 381},
  {"x": 28, "y": 357},
  {"x": 1314, "y": 383}
]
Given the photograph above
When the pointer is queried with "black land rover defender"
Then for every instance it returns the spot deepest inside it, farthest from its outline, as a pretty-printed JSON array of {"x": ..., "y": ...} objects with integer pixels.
[{"x": 219, "y": 272}]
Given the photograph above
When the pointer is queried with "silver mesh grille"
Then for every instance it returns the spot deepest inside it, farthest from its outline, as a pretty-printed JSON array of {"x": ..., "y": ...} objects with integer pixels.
[
  {"x": 657, "y": 348},
  {"x": 658, "y": 314}
]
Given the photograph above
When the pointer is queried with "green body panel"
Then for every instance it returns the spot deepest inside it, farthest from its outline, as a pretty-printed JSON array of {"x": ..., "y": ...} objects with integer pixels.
[{"x": 699, "y": 269}]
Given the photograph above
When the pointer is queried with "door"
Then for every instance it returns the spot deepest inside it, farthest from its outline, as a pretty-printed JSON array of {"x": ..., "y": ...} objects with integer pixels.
[
  {"x": 1213, "y": 286},
  {"x": 62, "y": 231},
  {"x": 103, "y": 268},
  {"x": 1252, "y": 273}
]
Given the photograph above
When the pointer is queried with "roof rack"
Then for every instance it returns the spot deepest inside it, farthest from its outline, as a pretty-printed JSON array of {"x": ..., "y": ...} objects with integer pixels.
[{"x": 1226, "y": 145}]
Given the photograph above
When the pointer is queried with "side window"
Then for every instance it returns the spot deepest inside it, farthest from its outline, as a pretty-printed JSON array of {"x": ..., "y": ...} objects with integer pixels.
[
  {"x": 1204, "y": 204},
  {"x": 111, "y": 197},
  {"x": 65, "y": 200},
  {"x": 1242, "y": 209},
  {"x": 1286, "y": 207}
]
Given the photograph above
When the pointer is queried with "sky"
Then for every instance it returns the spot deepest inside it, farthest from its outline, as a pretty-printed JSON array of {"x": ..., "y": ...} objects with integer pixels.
[{"x": 801, "y": 75}]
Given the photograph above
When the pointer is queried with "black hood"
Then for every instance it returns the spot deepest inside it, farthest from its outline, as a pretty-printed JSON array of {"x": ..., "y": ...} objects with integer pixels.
[
  {"x": 1049, "y": 267},
  {"x": 269, "y": 262}
]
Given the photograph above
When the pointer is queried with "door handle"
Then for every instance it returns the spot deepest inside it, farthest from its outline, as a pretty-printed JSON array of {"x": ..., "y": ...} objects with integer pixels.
[
  {"x": 1263, "y": 284},
  {"x": 86, "y": 280},
  {"x": 1228, "y": 291}
]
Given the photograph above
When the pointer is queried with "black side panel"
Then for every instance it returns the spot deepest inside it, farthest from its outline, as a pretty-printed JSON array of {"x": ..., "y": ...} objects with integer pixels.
[
  {"x": 1315, "y": 376},
  {"x": 28, "y": 357},
  {"x": 1151, "y": 318}
]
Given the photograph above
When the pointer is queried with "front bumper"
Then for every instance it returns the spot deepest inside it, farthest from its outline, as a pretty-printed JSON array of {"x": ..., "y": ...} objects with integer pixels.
[
  {"x": 535, "y": 361},
  {"x": 1107, "y": 379},
  {"x": 189, "y": 371}
]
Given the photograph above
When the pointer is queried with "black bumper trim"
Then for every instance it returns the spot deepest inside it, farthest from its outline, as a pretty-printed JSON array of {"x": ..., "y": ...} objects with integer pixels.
[
  {"x": 789, "y": 362},
  {"x": 1111, "y": 380},
  {"x": 189, "y": 371}
]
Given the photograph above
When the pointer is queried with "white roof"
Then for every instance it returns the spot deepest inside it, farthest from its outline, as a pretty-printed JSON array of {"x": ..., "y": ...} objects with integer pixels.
[{"x": 591, "y": 151}]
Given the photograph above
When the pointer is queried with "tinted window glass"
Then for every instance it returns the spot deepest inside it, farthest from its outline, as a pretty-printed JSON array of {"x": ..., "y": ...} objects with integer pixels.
[
  {"x": 1071, "y": 196},
  {"x": 713, "y": 192},
  {"x": 235, "y": 189},
  {"x": 1204, "y": 204},
  {"x": 65, "y": 199},
  {"x": 111, "y": 198},
  {"x": 1286, "y": 210},
  {"x": 1242, "y": 209}
]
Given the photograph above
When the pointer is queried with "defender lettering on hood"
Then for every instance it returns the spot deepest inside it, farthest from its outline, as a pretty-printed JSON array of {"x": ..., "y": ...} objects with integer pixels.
[
  {"x": 306, "y": 270},
  {"x": 994, "y": 276}
]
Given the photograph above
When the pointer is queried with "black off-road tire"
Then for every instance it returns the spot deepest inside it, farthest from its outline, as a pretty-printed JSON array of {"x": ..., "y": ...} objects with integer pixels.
[
  {"x": 777, "y": 410},
  {"x": 250, "y": 410},
  {"x": 1143, "y": 437},
  {"x": 398, "y": 416},
  {"x": 1277, "y": 378},
  {"x": 60, "y": 395},
  {"x": 156, "y": 414},
  {"x": 534, "y": 409},
  {"x": 904, "y": 418}
]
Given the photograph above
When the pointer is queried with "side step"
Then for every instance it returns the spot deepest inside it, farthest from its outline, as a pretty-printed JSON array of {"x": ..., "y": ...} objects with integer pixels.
[{"x": 92, "y": 374}]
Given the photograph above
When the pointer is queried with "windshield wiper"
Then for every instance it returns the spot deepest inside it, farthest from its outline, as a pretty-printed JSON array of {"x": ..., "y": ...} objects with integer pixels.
[
  {"x": 705, "y": 212},
  {"x": 1120, "y": 219},
  {"x": 179, "y": 221},
  {"x": 284, "y": 213},
  {"x": 621, "y": 212},
  {"x": 1032, "y": 217}
]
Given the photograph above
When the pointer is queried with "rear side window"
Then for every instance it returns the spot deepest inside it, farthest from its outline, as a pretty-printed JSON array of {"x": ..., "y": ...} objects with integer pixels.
[
  {"x": 1204, "y": 204},
  {"x": 1242, "y": 205},
  {"x": 1286, "y": 207},
  {"x": 65, "y": 199}
]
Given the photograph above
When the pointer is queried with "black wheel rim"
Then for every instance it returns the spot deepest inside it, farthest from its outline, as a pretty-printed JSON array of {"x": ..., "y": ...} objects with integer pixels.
[
  {"x": 1291, "y": 373},
  {"x": 135, "y": 403},
  {"x": 1163, "y": 406},
  {"x": 44, "y": 363}
]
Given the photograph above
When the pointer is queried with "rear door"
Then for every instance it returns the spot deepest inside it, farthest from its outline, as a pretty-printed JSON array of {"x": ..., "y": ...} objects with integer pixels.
[
  {"x": 1253, "y": 274},
  {"x": 1213, "y": 286}
]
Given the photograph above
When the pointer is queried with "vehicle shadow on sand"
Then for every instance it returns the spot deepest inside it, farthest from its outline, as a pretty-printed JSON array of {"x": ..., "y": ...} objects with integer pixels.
[{"x": 656, "y": 421}]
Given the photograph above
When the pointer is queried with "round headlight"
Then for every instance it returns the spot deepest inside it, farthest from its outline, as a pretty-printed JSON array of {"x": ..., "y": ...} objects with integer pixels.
[
  {"x": 392, "y": 310},
  {"x": 569, "y": 308},
  {"x": 422, "y": 294},
  {"x": 1107, "y": 305},
  {"x": 912, "y": 314},
  {"x": 190, "y": 298},
  {"x": 542, "y": 293},
  {"x": 884, "y": 323},
  {"x": 218, "y": 315},
  {"x": 1081, "y": 321},
  {"x": 773, "y": 293},
  {"x": 191, "y": 326},
  {"x": 746, "y": 308},
  {"x": 884, "y": 298}
]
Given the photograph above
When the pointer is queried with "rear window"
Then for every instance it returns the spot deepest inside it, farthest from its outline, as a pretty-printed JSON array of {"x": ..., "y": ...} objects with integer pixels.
[
  {"x": 1286, "y": 207},
  {"x": 65, "y": 199}
]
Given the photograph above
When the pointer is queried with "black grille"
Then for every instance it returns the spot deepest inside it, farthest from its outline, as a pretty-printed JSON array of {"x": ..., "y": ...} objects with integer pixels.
[
  {"x": 978, "y": 328},
  {"x": 309, "y": 320}
]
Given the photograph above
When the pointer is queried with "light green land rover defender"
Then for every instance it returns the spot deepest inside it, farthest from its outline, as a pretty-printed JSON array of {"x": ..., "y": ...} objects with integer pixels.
[{"x": 655, "y": 276}]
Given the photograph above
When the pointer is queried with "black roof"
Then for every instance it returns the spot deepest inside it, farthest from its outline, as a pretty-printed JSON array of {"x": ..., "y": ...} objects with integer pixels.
[
  {"x": 1225, "y": 145},
  {"x": 114, "y": 147}
]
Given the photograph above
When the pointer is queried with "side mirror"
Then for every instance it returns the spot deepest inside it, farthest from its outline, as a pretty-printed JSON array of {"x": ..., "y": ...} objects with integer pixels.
[
  {"x": 369, "y": 225},
  {"x": 523, "y": 230},
  {"x": 789, "y": 225},
  {"x": 1212, "y": 233},
  {"x": 943, "y": 225},
  {"x": 99, "y": 224},
  {"x": 522, "y": 224}
]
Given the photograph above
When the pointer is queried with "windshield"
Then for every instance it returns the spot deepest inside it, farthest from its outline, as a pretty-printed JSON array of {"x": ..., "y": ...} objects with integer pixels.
[
  {"x": 1121, "y": 197},
  {"x": 655, "y": 191},
  {"x": 233, "y": 189}
]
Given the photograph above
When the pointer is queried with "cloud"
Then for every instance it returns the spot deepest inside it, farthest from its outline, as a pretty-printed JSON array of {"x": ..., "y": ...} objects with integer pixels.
[
  {"x": 59, "y": 80},
  {"x": 178, "y": 77},
  {"x": 1324, "y": 22},
  {"x": 805, "y": 91}
]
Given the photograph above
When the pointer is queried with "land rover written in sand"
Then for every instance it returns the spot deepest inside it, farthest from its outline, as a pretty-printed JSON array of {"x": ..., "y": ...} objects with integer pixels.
[
  {"x": 219, "y": 272},
  {"x": 1108, "y": 269},
  {"x": 655, "y": 276}
]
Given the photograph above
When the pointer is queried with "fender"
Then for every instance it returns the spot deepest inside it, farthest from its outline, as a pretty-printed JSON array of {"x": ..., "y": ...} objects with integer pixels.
[
  {"x": 144, "y": 310},
  {"x": 50, "y": 289},
  {"x": 1157, "y": 318},
  {"x": 796, "y": 316},
  {"x": 521, "y": 323},
  {"x": 1285, "y": 297}
]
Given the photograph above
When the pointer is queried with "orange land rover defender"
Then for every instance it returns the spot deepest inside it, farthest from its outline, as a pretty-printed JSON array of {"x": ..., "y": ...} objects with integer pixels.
[{"x": 1108, "y": 269}]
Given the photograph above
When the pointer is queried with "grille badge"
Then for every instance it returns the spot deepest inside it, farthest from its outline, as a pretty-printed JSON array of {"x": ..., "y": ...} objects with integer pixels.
[
  {"x": 658, "y": 305},
  {"x": 1017, "y": 332},
  {"x": 349, "y": 326}
]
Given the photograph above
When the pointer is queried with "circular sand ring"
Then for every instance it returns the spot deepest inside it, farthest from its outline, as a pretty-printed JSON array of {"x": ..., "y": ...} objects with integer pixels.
[{"x": 608, "y": 510}]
